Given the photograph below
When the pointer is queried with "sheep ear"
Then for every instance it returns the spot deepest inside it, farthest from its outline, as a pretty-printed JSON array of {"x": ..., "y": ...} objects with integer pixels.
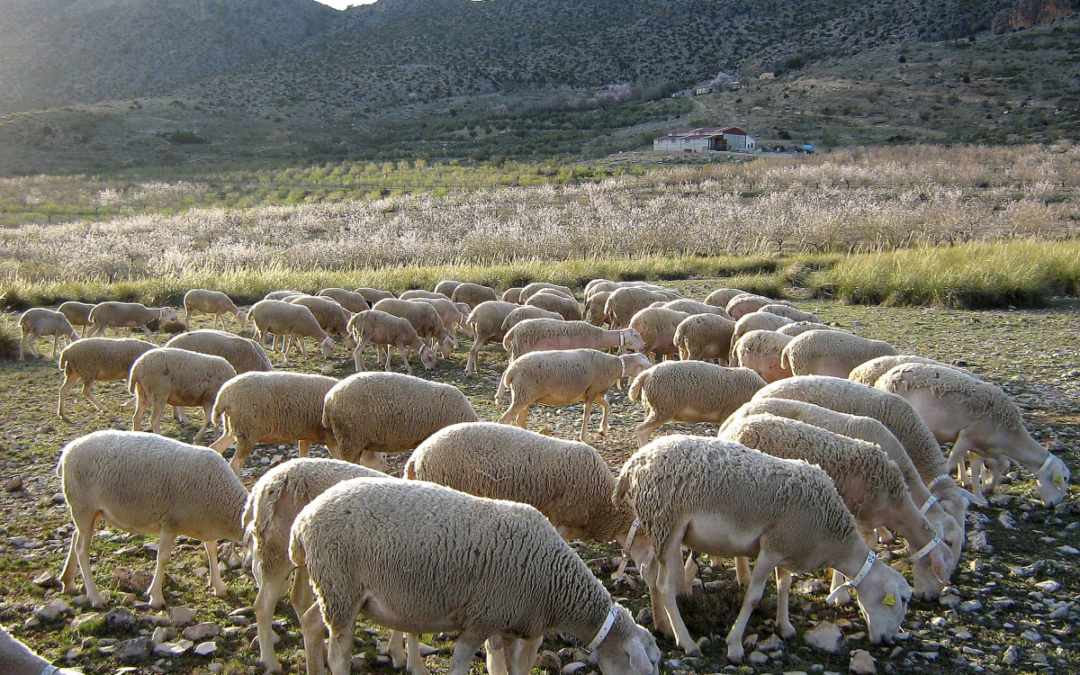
[
  {"x": 971, "y": 496},
  {"x": 937, "y": 562},
  {"x": 639, "y": 660}
]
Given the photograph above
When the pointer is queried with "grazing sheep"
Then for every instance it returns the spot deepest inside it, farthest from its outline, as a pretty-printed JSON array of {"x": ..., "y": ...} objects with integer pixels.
[
  {"x": 199, "y": 300},
  {"x": 526, "y": 312},
  {"x": 869, "y": 372},
  {"x": 705, "y": 336},
  {"x": 594, "y": 308},
  {"x": 271, "y": 408},
  {"x": 77, "y": 313},
  {"x": 690, "y": 391},
  {"x": 417, "y": 293},
  {"x": 830, "y": 352},
  {"x": 746, "y": 303},
  {"x": 373, "y": 295},
  {"x": 625, "y": 302},
  {"x": 723, "y": 499},
  {"x": 722, "y": 296},
  {"x": 17, "y": 659},
  {"x": 657, "y": 326},
  {"x": 114, "y": 315},
  {"x": 374, "y": 413},
  {"x": 800, "y": 327},
  {"x": 354, "y": 302},
  {"x": 473, "y": 294},
  {"x": 424, "y": 318},
  {"x": 383, "y": 329},
  {"x": 147, "y": 484},
  {"x": 542, "y": 334},
  {"x": 759, "y": 350},
  {"x": 287, "y": 320},
  {"x": 245, "y": 355},
  {"x": 537, "y": 286},
  {"x": 37, "y": 322},
  {"x": 758, "y": 321},
  {"x": 512, "y": 294},
  {"x": 447, "y": 287},
  {"x": 282, "y": 295},
  {"x": 694, "y": 307},
  {"x": 871, "y": 485},
  {"x": 453, "y": 316},
  {"x": 97, "y": 360},
  {"x": 179, "y": 378},
  {"x": 531, "y": 580},
  {"x": 485, "y": 322},
  {"x": 791, "y": 313},
  {"x": 332, "y": 317},
  {"x": 608, "y": 286},
  {"x": 976, "y": 417},
  {"x": 562, "y": 377},
  {"x": 566, "y": 307}
]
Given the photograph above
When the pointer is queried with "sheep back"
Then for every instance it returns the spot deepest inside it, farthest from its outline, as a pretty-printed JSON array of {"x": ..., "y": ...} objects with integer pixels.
[{"x": 245, "y": 355}]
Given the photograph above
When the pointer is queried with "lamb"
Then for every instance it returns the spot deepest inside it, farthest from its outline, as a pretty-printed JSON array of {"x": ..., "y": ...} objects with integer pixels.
[
  {"x": 526, "y": 312},
  {"x": 391, "y": 331},
  {"x": 332, "y": 317},
  {"x": 96, "y": 360},
  {"x": 555, "y": 302},
  {"x": 243, "y": 354},
  {"x": 830, "y": 352},
  {"x": 354, "y": 302},
  {"x": 871, "y": 485},
  {"x": 373, "y": 295},
  {"x": 690, "y": 391},
  {"x": 869, "y": 372},
  {"x": 537, "y": 286},
  {"x": 594, "y": 308},
  {"x": 758, "y": 321},
  {"x": 977, "y": 417},
  {"x": 657, "y": 326},
  {"x": 721, "y": 297},
  {"x": 211, "y": 302},
  {"x": 17, "y": 659},
  {"x": 77, "y": 313},
  {"x": 424, "y": 318},
  {"x": 534, "y": 582},
  {"x": 800, "y": 327},
  {"x": 512, "y": 294},
  {"x": 791, "y": 313},
  {"x": 447, "y": 287},
  {"x": 418, "y": 293},
  {"x": 287, "y": 320},
  {"x": 374, "y": 413},
  {"x": 473, "y": 294},
  {"x": 705, "y": 336},
  {"x": 111, "y": 314},
  {"x": 694, "y": 307},
  {"x": 624, "y": 303},
  {"x": 38, "y": 321},
  {"x": 538, "y": 334},
  {"x": 760, "y": 351},
  {"x": 562, "y": 377},
  {"x": 485, "y": 322},
  {"x": 176, "y": 377},
  {"x": 745, "y": 303},
  {"x": 723, "y": 499},
  {"x": 145, "y": 484},
  {"x": 271, "y": 408}
]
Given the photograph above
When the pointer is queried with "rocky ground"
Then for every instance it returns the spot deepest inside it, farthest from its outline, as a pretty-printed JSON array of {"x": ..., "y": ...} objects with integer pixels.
[{"x": 1012, "y": 605}]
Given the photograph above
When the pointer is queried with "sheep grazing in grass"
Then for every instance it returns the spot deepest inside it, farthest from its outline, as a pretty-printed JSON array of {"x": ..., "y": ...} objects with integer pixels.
[
  {"x": 389, "y": 331},
  {"x": 721, "y": 297},
  {"x": 373, "y": 295},
  {"x": 690, "y": 391},
  {"x": 705, "y": 336},
  {"x": 282, "y": 295},
  {"x": 526, "y": 312},
  {"x": 800, "y": 327},
  {"x": 453, "y": 315},
  {"x": 760, "y": 350},
  {"x": 354, "y": 302},
  {"x": 512, "y": 294},
  {"x": 657, "y": 326},
  {"x": 360, "y": 541},
  {"x": 869, "y": 372},
  {"x": 332, "y": 317},
  {"x": 202, "y": 301},
  {"x": 485, "y": 322},
  {"x": 179, "y": 378},
  {"x": 473, "y": 294},
  {"x": 976, "y": 417},
  {"x": 96, "y": 360},
  {"x": 286, "y": 320},
  {"x": 271, "y": 408},
  {"x": 38, "y": 322},
  {"x": 243, "y": 354},
  {"x": 594, "y": 308},
  {"x": 148, "y": 484},
  {"x": 831, "y": 353},
  {"x": 17, "y": 659},
  {"x": 77, "y": 313},
  {"x": 625, "y": 302},
  {"x": 746, "y": 303},
  {"x": 447, "y": 287},
  {"x": 544, "y": 334},
  {"x": 537, "y": 286},
  {"x": 418, "y": 293},
  {"x": 424, "y": 318},
  {"x": 565, "y": 307},
  {"x": 115, "y": 315},
  {"x": 725, "y": 500},
  {"x": 790, "y": 312},
  {"x": 758, "y": 321},
  {"x": 694, "y": 307},
  {"x": 562, "y": 377}
]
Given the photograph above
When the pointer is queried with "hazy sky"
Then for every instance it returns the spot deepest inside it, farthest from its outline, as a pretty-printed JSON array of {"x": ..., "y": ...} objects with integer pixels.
[{"x": 342, "y": 4}]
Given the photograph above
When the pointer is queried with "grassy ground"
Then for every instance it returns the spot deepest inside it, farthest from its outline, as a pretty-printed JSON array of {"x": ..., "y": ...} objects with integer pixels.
[{"x": 1033, "y": 354}]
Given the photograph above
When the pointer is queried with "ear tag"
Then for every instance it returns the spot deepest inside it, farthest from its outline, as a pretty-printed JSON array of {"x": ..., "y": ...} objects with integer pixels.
[{"x": 889, "y": 600}]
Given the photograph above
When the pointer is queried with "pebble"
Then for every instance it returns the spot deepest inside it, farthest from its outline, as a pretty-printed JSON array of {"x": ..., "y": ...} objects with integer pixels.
[
  {"x": 970, "y": 606},
  {"x": 17, "y": 542},
  {"x": 939, "y": 622},
  {"x": 1003, "y": 603},
  {"x": 549, "y": 660},
  {"x": 180, "y": 616},
  {"x": 132, "y": 650},
  {"x": 963, "y": 634},
  {"x": 825, "y": 636},
  {"x": 757, "y": 658},
  {"x": 13, "y": 485},
  {"x": 1012, "y": 655},
  {"x": 1007, "y": 521},
  {"x": 178, "y": 648},
  {"x": 53, "y": 610},
  {"x": 119, "y": 620},
  {"x": 980, "y": 542},
  {"x": 1024, "y": 572},
  {"x": 862, "y": 663},
  {"x": 205, "y": 649},
  {"x": 1031, "y": 635},
  {"x": 773, "y": 644},
  {"x": 48, "y": 580},
  {"x": 949, "y": 600},
  {"x": 84, "y": 618},
  {"x": 162, "y": 634},
  {"x": 572, "y": 667},
  {"x": 1068, "y": 550},
  {"x": 201, "y": 631},
  {"x": 1048, "y": 586}
]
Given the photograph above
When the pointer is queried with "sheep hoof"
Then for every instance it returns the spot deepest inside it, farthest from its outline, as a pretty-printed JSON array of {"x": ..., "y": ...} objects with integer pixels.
[{"x": 735, "y": 653}]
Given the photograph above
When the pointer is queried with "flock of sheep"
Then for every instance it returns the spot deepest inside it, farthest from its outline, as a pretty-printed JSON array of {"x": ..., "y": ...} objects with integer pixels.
[{"x": 827, "y": 441}]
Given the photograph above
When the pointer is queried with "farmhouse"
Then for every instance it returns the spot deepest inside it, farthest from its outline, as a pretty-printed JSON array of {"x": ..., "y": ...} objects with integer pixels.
[{"x": 697, "y": 139}]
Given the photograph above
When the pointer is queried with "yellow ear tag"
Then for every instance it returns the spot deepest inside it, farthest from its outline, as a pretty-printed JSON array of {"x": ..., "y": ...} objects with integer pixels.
[
  {"x": 1060, "y": 480},
  {"x": 889, "y": 600}
]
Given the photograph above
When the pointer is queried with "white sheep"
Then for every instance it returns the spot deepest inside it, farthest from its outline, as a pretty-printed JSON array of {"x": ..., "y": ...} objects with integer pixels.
[
  {"x": 800, "y": 327},
  {"x": 526, "y": 312},
  {"x": 976, "y": 417},
  {"x": 562, "y": 377},
  {"x": 869, "y": 372},
  {"x": 721, "y": 297},
  {"x": 690, "y": 391},
  {"x": 694, "y": 307},
  {"x": 594, "y": 308},
  {"x": 531, "y": 580},
  {"x": 744, "y": 303},
  {"x": 829, "y": 352},
  {"x": 473, "y": 294},
  {"x": 38, "y": 322},
  {"x": 453, "y": 315},
  {"x": 424, "y": 318},
  {"x": 535, "y": 287},
  {"x": 179, "y": 378},
  {"x": 199, "y": 300},
  {"x": 374, "y": 413},
  {"x": 96, "y": 360},
  {"x": 545, "y": 334},
  {"x": 446, "y": 287},
  {"x": 790, "y": 312},
  {"x": 485, "y": 321},
  {"x": 373, "y": 295},
  {"x": 565, "y": 307},
  {"x": 723, "y": 499},
  {"x": 389, "y": 331},
  {"x": 624, "y": 303},
  {"x": 282, "y": 295},
  {"x": 705, "y": 336},
  {"x": 271, "y": 408},
  {"x": 286, "y": 320},
  {"x": 77, "y": 313},
  {"x": 758, "y": 321},
  {"x": 17, "y": 659},
  {"x": 244, "y": 354},
  {"x": 147, "y": 484},
  {"x": 354, "y": 302},
  {"x": 656, "y": 326},
  {"x": 332, "y": 317},
  {"x": 760, "y": 350},
  {"x": 512, "y": 294},
  {"x": 112, "y": 314},
  {"x": 417, "y": 293}
]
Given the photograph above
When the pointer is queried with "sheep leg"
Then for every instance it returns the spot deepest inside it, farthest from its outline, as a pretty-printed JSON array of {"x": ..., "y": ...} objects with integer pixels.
[
  {"x": 303, "y": 448},
  {"x": 606, "y": 419},
  {"x": 466, "y": 646},
  {"x": 501, "y": 388},
  {"x": 667, "y": 585},
  {"x": 271, "y": 588},
  {"x": 339, "y": 653},
  {"x": 220, "y": 589},
  {"x": 690, "y": 570},
  {"x": 842, "y": 597},
  {"x": 404, "y": 357},
  {"x": 516, "y": 409},
  {"x": 222, "y": 444},
  {"x": 649, "y": 569},
  {"x": 55, "y": 345},
  {"x": 358, "y": 356},
  {"x": 474, "y": 353},
  {"x": 523, "y": 655},
  {"x": 140, "y": 409},
  {"x": 495, "y": 655},
  {"x": 208, "y": 412},
  {"x": 783, "y": 590},
  {"x": 87, "y": 386},
  {"x": 651, "y": 423},
  {"x": 396, "y": 649},
  {"x": 65, "y": 391},
  {"x": 156, "y": 414},
  {"x": 243, "y": 451},
  {"x": 584, "y": 435},
  {"x": 762, "y": 569},
  {"x": 742, "y": 570},
  {"x": 84, "y": 527},
  {"x": 165, "y": 546},
  {"x": 314, "y": 631}
]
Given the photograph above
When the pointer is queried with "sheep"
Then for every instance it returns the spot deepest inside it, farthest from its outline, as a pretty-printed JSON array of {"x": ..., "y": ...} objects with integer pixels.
[
  {"x": 332, "y": 317},
  {"x": 354, "y": 302},
  {"x": 745, "y": 303},
  {"x": 485, "y": 321},
  {"x": 473, "y": 294},
  {"x": 526, "y": 312},
  {"x": 791, "y": 313},
  {"x": 243, "y": 354},
  {"x": 607, "y": 286},
  {"x": 899, "y": 417},
  {"x": 562, "y": 377},
  {"x": 871, "y": 485},
  {"x": 536, "y": 334},
  {"x": 977, "y": 417},
  {"x": 705, "y": 336},
  {"x": 417, "y": 293},
  {"x": 211, "y": 302},
  {"x": 554, "y": 302},
  {"x": 271, "y": 408},
  {"x": 690, "y": 391},
  {"x": 723, "y": 499},
  {"x": 17, "y": 659},
  {"x": 373, "y": 295},
  {"x": 268, "y": 517},
  {"x": 113, "y": 314},
  {"x": 594, "y": 308},
  {"x": 868, "y": 373},
  {"x": 512, "y": 294},
  {"x": 721, "y": 297},
  {"x": 657, "y": 326},
  {"x": 830, "y": 352},
  {"x": 96, "y": 360},
  {"x": 760, "y": 351},
  {"x": 145, "y": 484},
  {"x": 282, "y": 295},
  {"x": 758, "y": 321},
  {"x": 800, "y": 327},
  {"x": 77, "y": 313},
  {"x": 375, "y": 413},
  {"x": 424, "y": 318},
  {"x": 624, "y": 303},
  {"x": 37, "y": 322},
  {"x": 537, "y": 286},
  {"x": 533, "y": 580},
  {"x": 694, "y": 307},
  {"x": 384, "y": 329},
  {"x": 287, "y": 320},
  {"x": 176, "y": 377},
  {"x": 453, "y": 315},
  {"x": 447, "y": 287}
]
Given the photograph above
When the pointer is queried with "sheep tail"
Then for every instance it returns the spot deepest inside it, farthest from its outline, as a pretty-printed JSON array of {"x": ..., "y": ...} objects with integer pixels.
[
  {"x": 785, "y": 359},
  {"x": 621, "y": 487},
  {"x": 634, "y": 393},
  {"x": 410, "y": 468},
  {"x": 296, "y": 548}
]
